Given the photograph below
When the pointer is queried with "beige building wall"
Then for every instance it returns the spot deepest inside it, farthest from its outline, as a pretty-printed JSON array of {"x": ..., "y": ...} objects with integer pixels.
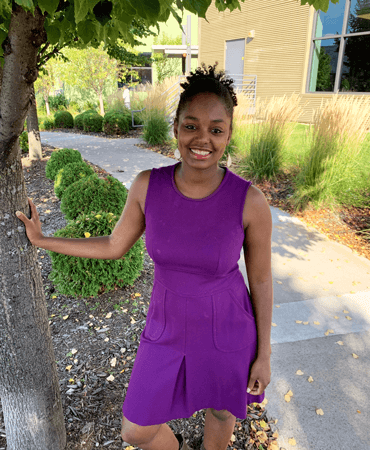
[{"x": 279, "y": 52}]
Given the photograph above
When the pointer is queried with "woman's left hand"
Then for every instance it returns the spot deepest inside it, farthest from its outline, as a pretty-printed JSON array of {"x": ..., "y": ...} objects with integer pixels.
[{"x": 260, "y": 375}]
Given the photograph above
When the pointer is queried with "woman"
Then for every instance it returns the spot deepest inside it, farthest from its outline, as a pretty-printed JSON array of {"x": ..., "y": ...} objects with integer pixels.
[{"x": 206, "y": 343}]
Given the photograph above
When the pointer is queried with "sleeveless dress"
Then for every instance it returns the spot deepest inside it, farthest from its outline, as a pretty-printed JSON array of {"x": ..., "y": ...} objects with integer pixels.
[{"x": 200, "y": 337}]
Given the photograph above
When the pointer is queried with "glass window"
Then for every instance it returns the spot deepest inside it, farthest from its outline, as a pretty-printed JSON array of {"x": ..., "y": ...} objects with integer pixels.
[
  {"x": 324, "y": 65},
  {"x": 359, "y": 19},
  {"x": 331, "y": 22},
  {"x": 356, "y": 65}
]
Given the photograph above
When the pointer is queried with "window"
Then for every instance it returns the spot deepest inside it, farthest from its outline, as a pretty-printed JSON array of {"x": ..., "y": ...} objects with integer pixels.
[{"x": 340, "y": 47}]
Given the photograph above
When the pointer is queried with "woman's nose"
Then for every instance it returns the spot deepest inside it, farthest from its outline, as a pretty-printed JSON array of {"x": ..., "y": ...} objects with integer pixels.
[{"x": 203, "y": 135}]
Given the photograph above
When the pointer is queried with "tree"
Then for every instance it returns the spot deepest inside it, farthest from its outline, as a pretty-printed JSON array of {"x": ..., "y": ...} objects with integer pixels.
[
  {"x": 324, "y": 70},
  {"x": 166, "y": 67},
  {"x": 90, "y": 69},
  {"x": 45, "y": 82},
  {"x": 29, "y": 387}
]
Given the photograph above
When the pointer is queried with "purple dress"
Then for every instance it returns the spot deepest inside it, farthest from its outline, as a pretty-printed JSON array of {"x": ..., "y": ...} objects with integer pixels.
[{"x": 200, "y": 337}]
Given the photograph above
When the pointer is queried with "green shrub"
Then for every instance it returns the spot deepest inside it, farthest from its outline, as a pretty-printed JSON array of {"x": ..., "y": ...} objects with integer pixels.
[
  {"x": 23, "y": 142},
  {"x": 93, "y": 122},
  {"x": 90, "y": 277},
  {"x": 63, "y": 119},
  {"x": 93, "y": 194},
  {"x": 156, "y": 128},
  {"x": 69, "y": 174},
  {"x": 116, "y": 122},
  {"x": 47, "y": 124},
  {"x": 57, "y": 102},
  {"x": 79, "y": 119},
  {"x": 59, "y": 159}
]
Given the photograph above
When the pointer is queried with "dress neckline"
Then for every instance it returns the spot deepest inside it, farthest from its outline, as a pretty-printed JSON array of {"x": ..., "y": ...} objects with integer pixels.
[{"x": 223, "y": 181}]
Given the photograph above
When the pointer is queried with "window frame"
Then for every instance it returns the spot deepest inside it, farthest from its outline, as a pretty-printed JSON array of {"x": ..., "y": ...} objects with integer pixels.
[{"x": 342, "y": 38}]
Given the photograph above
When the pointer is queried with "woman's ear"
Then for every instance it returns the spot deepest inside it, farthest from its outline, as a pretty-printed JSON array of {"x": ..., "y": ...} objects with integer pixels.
[
  {"x": 175, "y": 128},
  {"x": 230, "y": 133}
]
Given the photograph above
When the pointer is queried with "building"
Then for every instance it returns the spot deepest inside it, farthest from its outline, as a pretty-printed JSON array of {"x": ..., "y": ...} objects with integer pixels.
[{"x": 292, "y": 48}]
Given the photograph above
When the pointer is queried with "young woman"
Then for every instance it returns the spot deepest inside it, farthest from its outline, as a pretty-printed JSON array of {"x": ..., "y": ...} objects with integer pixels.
[{"x": 206, "y": 343}]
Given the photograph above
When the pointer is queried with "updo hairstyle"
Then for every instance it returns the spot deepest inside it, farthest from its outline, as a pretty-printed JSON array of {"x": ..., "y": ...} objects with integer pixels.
[{"x": 209, "y": 81}]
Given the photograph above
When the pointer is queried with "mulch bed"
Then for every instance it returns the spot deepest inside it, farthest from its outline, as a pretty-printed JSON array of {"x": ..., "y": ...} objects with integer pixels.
[{"x": 95, "y": 338}]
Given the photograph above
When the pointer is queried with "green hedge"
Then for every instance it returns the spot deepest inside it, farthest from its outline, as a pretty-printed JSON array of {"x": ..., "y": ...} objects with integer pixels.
[
  {"x": 69, "y": 174},
  {"x": 63, "y": 119},
  {"x": 59, "y": 159},
  {"x": 116, "y": 122},
  {"x": 93, "y": 122},
  {"x": 90, "y": 277},
  {"x": 94, "y": 194}
]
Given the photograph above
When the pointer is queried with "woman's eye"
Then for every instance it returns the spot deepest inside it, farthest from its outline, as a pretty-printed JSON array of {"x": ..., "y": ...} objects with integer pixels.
[
  {"x": 217, "y": 131},
  {"x": 190, "y": 127}
]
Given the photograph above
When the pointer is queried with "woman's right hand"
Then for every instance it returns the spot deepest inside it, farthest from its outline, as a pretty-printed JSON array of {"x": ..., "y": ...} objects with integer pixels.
[{"x": 33, "y": 225}]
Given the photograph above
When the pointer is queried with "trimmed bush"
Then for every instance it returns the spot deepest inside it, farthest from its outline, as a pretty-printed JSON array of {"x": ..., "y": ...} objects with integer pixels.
[
  {"x": 59, "y": 159},
  {"x": 79, "y": 119},
  {"x": 93, "y": 194},
  {"x": 69, "y": 174},
  {"x": 156, "y": 128},
  {"x": 23, "y": 142},
  {"x": 48, "y": 124},
  {"x": 63, "y": 119},
  {"x": 91, "y": 277},
  {"x": 116, "y": 122},
  {"x": 93, "y": 122}
]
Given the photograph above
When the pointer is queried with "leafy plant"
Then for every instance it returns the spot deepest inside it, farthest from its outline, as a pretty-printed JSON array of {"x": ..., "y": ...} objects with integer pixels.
[
  {"x": 117, "y": 122},
  {"x": 79, "y": 119},
  {"x": 23, "y": 142},
  {"x": 93, "y": 194},
  {"x": 57, "y": 102},
  {"x": 156, "y": 128},
  {"x": 59, "y": 159},
  {"x": 63, "y": 119},
  {"x": 69, "y": 174},
  {"x": 93, "y": 122},
  {"x": 90, "y": 277}
]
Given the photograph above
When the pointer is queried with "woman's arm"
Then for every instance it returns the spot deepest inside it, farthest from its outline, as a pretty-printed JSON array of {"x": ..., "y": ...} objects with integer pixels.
[
  {"x": 257, "y": 254},
  {"x": 127, "y": 231}
]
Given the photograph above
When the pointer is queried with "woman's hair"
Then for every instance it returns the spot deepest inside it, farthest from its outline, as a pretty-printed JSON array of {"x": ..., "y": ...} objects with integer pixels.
[{"x": 209, "y": 81}]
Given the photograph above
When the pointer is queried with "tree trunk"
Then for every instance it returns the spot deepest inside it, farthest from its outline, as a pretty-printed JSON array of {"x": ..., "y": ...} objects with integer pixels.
[
  {"x": 34, "y": 141},
  {"x": 29, "y": 387},
  {"x": 101, "y": 105},
  {"x": 46, "y": 98}
]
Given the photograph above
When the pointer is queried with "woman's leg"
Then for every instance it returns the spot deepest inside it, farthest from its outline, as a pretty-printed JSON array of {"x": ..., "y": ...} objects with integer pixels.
[
  {"x": 218, "y": 429},
  {"x": 153, "y": 437}
]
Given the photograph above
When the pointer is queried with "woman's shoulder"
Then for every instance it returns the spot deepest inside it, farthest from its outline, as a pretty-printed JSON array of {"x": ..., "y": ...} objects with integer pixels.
[{"x": 255, "y": 205}]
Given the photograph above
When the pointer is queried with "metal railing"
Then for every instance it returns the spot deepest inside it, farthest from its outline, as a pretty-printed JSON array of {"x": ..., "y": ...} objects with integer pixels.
[{"x": 246, "y": 84}]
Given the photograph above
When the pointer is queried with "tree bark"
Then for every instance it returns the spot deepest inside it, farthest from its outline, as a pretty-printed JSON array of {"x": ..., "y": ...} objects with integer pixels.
[
  {"x": 29, "y": 387},
  {"x": 46, "y": 98},
  {"x": 101, "y": 105},
  {"x": 34, "y": 141}
]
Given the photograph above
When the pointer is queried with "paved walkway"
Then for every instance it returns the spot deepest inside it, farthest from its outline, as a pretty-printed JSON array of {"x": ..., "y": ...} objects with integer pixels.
[{"x": 316, "y": 281}]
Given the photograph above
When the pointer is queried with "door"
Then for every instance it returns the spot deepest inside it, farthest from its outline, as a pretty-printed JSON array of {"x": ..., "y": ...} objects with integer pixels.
[{"x": 234, "y": 63}]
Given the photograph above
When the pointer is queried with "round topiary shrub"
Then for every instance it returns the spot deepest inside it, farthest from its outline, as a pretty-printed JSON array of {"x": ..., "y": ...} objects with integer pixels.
[
  {"x": 59, "y": 159},
  {"x": 93, "y": 122},
  {"x": 116, "y": 122},
  {"x": 63, "y": 119},
  {"x": 69, "y": 174},
  {"x": 79, "y": 119},
  {"x": 90, "y": 277},
  {"x": 93, "y": 194}
]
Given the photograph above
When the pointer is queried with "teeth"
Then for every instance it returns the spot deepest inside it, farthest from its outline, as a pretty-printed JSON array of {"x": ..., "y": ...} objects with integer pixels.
[{"x": 198, "y": 152}]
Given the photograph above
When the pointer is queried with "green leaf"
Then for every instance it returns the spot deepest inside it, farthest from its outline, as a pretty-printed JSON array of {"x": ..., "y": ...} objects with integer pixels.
[
  {"x": 82, "y": 8},
  {"x": 5, "y": 9},
  {"x": 323, "y": 5},
  {"x": 50, "y": 6},
  {"x": 53, "y": 33},
  {"x": 86, "y": 30},
  {"x": 148, "y": 9},
  {"x": 102, "y": 11},
  {"x": 27, "y": 5},
  {"x": 197, "y": 6}
]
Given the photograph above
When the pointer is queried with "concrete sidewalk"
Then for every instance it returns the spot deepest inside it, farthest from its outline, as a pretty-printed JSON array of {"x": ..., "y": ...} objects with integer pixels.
[{"x": 316, "y": 281}]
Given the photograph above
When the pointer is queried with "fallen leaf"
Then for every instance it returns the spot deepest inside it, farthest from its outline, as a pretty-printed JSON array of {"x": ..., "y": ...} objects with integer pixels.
[
  {"x": 345, "y": 312},
  {"x": 54, "y": 296},
  {"x": 53, "y": 315},
  {"x": 340, "y": 343},
  {"x": 298, "y": 321},
  {"x": 110, "y": 378},
  {"x": 48, "y": 211},
  {"x": 305, "y": 323},
  {"x": 354, "y": 355},
  {"x": 68, "y": 368},
  {"x": 106, "y": 339},
  {"x": 319, "y": 412},
  {"x": 273, "y": 324},
  {"x": 87, "y": 234},
  {"x": 113, "y": 362},
  {"x": 137, "y": 294},
  {"x": 277, "y": 306},
  {"x": 299, "y": 372},
  {"x": 71, "y": 380},
  {"x": 292, "y": 441},
  {"x": 336, "y": 317},
  {"x": 328, "y": 331},
  {"x": 65, "y": 317},
  {"x": 263, "y": 424},
  {"x": 279, "y": 282},
  {"x": 290, "y": 393},
  {"x": 133, "y": 320},
  {"x": 359, "y": 411},
  {"x": 348, "y": 317},
  {"x": 310, "y": 379},
  {"x": 108, "y": 316},
  {"x": 98, "y": 216},
  {"x": 74, "y": 351},
  {"x": 316, "y": 322}
]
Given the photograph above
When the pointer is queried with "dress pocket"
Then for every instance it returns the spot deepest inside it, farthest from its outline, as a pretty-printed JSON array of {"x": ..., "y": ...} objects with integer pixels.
[
  {"x": 234, "y": 328},
  {"x": 156, "y": 318}
]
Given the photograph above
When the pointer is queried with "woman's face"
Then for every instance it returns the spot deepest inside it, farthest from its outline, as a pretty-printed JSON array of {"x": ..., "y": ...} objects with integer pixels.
[{"x": 203, "y": 125}]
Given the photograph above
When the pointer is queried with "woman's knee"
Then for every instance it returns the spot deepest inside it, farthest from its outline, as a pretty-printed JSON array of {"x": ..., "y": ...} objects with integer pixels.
[
  {"x": 222, "y": 414},
  {"x": 136, "y": 434}
]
